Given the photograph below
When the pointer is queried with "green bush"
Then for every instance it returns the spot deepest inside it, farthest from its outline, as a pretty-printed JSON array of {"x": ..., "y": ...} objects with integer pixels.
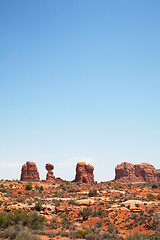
[
  {"x": 20, "y": 199},
  {"x": 41, "y": 188},
  {"x": 136, "y": 236},
  {"x": 26, "y": 235},
  {"x": 28, "y": 186},
  {"x": 2, "y": 188},
  {"x": 92, "y": 193},
  {"x": 11, "y": 232},
  {"x": 19, "y": 232},
  {"x": 154, "y": 186},
  {"x": 85, "y": 213},
  {"x": 150, "y": 196},
  {"x": 92, "y": 236},
  {"x": 38, "y": 206},
  {"x": 111, "y": 228},
  {"x": 31, "y": 220}
]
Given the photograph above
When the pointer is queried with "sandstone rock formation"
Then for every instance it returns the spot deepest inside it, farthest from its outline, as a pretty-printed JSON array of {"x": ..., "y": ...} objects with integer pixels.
[
  {"x": 158, "y": 174},
  {"x": 143, "y": 172},
  {"x": 49, "y": 168},
  {"x": 29, "y": 172},
  {"x": 84, "y": 173}
]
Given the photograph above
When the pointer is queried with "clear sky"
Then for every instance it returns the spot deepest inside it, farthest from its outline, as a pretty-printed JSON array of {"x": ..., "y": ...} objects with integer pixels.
[{"x": 79, "y": 81}]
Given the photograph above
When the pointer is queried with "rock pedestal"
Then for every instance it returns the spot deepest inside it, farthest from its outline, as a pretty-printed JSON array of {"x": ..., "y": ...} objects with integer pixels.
[{"x": 49, "y": 168}]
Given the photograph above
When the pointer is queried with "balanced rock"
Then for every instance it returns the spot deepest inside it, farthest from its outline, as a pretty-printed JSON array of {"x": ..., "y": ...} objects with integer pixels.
[
  {"x": 84, "y": 173},
  {"x": 143, "y": 172},
  {"x": 49, "y": 168},
  {"x": 29, "y": 172}
]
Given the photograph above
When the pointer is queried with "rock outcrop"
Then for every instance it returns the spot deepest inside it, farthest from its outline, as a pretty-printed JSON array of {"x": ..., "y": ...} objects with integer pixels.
[
  {"x": 29, "y": 172},
  {"x": 84, "y": 173},
  {"x": 49, "y": 168},
  {"x": 158, "y": 174},
  {"x": 143, "y": 172}
]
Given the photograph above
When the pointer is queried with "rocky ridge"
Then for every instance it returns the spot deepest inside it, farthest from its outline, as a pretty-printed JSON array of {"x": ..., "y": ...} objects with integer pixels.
[{"x": 143, "y": 172}]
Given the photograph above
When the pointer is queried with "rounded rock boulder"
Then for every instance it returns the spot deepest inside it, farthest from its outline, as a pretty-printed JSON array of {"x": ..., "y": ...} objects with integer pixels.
[{"x": 49, "y": 167}]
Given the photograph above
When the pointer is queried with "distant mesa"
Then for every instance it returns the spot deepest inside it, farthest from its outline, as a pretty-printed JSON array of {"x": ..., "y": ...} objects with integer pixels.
[
  {"x": 29, "y": 172},
  {"x": 49, "y": 168},
  {"x": 143, "y": 172},
  {"x": 84, "y": 173}
]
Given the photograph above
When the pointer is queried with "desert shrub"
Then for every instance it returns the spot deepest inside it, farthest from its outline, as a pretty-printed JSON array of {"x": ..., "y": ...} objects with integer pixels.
[
  {"x": 2, "y": 188},
  {"x": 154, "y": 186},
  {"x": 80, "y": 234},
  {"x": 26, "y": 235},
  {"x": 98, "y": 224},
  {"x": 92, "y": 236},
  {"x": 64, "y": 234},
  {"x": 110, "y": 236},
  {"x": 37, "y": 187},
  {"x": 21, "y": 199},
  {"x": 38, "y": 206},
  {"x": 19, "y": 232},
  {"x": 84, "y": 232},
  {"x": 57, "y": 202},
  {"x": 111, "y": 228},
  {"x": 150, "y": 196},
  {"x": 85, "y": 213},
  {"x": 42, "y": 232},
  {"x": 151, "y": 210},
  {"x": 41, "y": 188},
  {"x": 54, "y": 223},
  {"x": 36, "y": 221},
  {"x": 99, "y": 213},
  {"x": 28, "y": 186},
  {"x": 65, "y": 221},
  {"x": 72, "y": 202},
  {"x": 137, "y": 236},
  {"x": 32, "y": 220},
  {"x": 92, "y": 193},
  {"x": 155, "y": 236},
  {"x": 122, "y": 205},
  {"x": 29, "y": 202},
  {"x": 11, "y": 232}
]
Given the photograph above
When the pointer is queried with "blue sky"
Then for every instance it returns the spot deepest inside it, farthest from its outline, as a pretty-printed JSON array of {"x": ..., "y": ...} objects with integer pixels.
[{"x": 79, "y": 81}]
